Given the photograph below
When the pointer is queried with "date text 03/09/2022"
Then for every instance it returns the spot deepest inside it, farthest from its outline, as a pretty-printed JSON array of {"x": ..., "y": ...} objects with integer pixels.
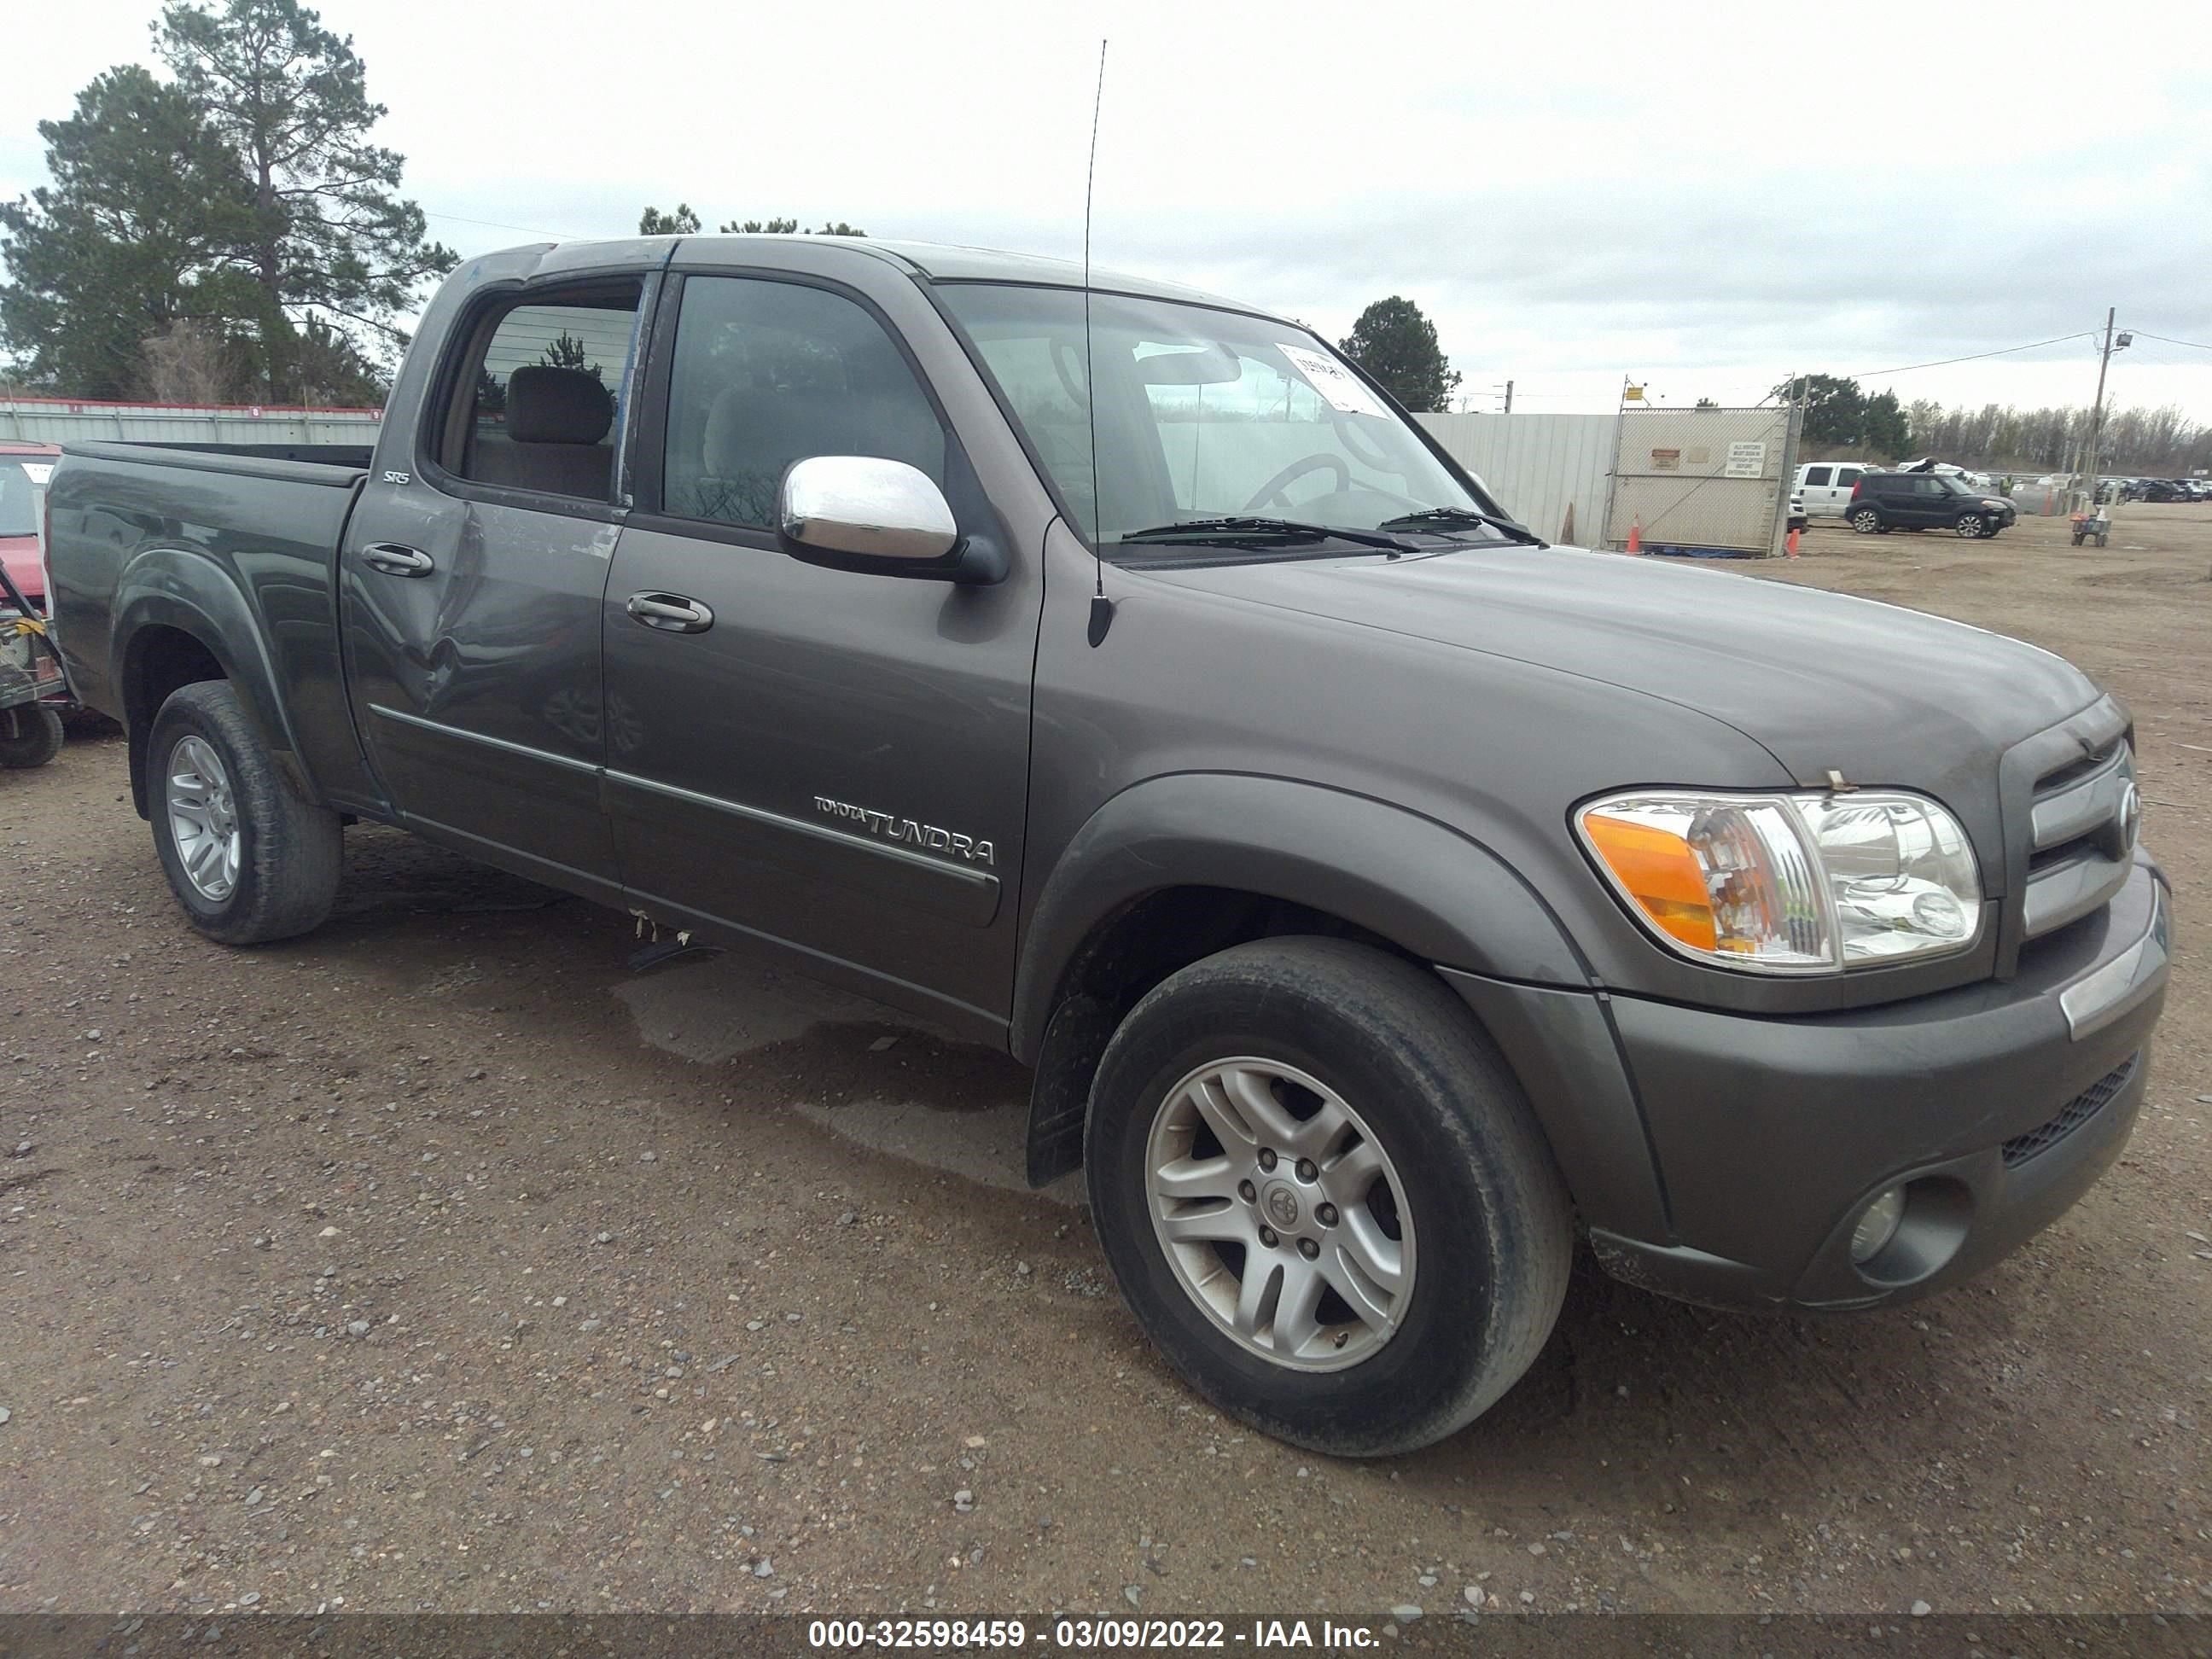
[{"x": 1079, "y": 1634}]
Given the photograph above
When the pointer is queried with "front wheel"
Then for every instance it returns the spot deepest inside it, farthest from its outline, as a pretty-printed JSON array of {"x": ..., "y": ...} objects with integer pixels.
[
  {"x": 246, "y": 857},
  {"x": 33, "y": 738},
  {"x": 1325, "y": 1196},
  {"x": 1866, "y": 521},
  {"x": 1972, "y": 527}
]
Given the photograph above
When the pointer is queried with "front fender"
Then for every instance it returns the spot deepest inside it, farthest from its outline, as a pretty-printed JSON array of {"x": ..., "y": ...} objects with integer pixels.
[{"x": 1425, "y": 887}]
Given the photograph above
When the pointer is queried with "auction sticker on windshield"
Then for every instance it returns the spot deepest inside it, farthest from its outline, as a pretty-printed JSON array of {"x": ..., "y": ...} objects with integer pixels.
[{"x": 1339, "y": 384}]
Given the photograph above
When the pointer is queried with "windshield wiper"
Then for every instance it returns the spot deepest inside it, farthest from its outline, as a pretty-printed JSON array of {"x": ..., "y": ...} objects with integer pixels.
[
  {"x": 1243, "y": 527},
  {"x": 1464, "y": 515}
]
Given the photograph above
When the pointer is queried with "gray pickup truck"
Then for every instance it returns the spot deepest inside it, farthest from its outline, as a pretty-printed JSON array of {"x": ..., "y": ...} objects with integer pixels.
[{"x": 1114, "y": 674}]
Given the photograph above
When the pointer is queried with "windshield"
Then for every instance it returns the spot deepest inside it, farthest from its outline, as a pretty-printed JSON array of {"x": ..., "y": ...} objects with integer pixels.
[
  {"x": 1201, "y": 414},
  {"x": 17, "y": 475}
]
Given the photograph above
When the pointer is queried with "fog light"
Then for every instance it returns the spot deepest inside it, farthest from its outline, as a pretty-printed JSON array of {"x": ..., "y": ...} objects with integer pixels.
[{"x": 1877, "y": 1225}]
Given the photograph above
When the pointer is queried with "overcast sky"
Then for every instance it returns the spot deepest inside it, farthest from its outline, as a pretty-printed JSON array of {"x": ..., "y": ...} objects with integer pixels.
[{"x": 1707, "y": 197}]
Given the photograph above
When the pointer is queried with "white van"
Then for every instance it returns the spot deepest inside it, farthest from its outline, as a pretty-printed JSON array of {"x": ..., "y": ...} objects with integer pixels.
[{"x": 1827, "y": 487}]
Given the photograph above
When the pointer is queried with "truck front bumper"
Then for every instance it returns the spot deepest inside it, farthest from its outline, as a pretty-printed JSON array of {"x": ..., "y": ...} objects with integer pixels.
[{"x": 1995, "y": 1107}]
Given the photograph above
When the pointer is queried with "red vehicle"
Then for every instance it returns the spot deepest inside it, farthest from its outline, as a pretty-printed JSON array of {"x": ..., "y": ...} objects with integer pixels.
[{"x": 23, "y": 469}]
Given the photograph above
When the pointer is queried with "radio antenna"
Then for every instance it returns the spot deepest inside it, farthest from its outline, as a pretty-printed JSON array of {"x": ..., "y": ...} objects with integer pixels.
[{"x": 1102, "y": 608}]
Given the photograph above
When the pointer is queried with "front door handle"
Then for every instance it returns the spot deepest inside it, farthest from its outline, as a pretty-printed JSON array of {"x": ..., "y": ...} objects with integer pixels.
[
  {"x": 394, "y": 560},
  {"x": 671, "y": 612}
]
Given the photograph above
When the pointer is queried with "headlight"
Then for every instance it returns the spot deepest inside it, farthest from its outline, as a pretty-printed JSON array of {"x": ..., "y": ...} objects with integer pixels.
[{"x": 1805, "y": 883}]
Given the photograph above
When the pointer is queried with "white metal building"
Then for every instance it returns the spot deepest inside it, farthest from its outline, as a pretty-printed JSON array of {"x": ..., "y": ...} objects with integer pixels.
[{"x": 1538, "y": 465}]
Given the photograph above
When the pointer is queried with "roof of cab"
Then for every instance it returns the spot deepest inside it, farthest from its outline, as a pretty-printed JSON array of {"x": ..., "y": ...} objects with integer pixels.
[
  {"x": 941, "y": 262},
  {"x": 931, "y": 261}
]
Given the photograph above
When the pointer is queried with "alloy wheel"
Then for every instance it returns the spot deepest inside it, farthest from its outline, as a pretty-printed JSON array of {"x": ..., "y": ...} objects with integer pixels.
[
  {"x": 203, "y": 818},
  {"x": 1280, "y": 1213}
]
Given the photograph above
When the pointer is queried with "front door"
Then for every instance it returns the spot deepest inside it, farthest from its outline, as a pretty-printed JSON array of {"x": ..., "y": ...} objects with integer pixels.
[
  {"x": 471, "y": 591},
  {"x": 1928, "y": 504},
  {"x": 1839, "y": 492},
  {"x": 833, "y": 762}
]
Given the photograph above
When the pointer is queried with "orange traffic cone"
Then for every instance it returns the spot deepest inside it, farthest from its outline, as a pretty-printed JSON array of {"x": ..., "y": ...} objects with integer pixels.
[
  {"x": 1636, "y": 534},
  {"x": 1793, "y": 543}
]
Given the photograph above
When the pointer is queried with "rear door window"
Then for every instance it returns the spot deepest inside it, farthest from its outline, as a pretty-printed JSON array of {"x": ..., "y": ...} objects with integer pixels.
[
  {"x": 1815, "y": 475},
  {"x": 542, "y": 393}
]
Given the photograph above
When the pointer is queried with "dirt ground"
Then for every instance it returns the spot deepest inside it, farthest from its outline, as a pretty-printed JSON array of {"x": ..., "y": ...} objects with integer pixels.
[{"x": 441, "y": 1260}]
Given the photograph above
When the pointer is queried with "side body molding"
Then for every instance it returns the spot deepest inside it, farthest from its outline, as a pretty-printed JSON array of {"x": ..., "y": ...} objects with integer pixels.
[{"x": 1425, "y": 887}]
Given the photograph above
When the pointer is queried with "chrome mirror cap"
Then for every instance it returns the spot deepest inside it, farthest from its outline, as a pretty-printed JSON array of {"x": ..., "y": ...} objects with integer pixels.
[{"x": 867, "y": 506}]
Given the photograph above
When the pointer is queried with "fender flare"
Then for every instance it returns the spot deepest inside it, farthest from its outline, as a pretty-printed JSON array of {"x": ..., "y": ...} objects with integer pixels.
[
  {"x": 170, "y": 588},
  {"x": 1424, "y": 886}
]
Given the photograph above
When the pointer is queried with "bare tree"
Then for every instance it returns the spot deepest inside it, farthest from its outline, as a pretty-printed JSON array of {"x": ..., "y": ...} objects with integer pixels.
[{"x": 189, "y": 362}]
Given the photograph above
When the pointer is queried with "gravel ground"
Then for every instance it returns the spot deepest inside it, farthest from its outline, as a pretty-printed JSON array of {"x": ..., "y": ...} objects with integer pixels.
[{"x": 442, "y": 1261}]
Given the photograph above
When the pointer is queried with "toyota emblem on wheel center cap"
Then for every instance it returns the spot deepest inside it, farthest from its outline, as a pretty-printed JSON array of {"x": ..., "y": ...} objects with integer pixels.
[{"x": 1282, "y": 1207}]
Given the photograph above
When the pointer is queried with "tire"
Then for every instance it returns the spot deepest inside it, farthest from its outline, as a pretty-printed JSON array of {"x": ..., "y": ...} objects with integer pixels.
[
  {"x": 1866, "y": 521},
  {"x": 37, "y": 740},
  {"x": 1972, "y": 527},
  {"x": 1310, "y": 1033},
  {"x": 273, "y": 869}
]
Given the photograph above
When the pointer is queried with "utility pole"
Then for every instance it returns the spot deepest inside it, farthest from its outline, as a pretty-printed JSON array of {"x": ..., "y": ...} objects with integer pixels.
[
  {"x": 1509, "y": 397},
  {"x": 2097, "y": 408}
]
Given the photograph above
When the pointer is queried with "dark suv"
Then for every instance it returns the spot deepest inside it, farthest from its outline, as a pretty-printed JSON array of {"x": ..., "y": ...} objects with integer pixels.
[{"x": 1885, "y": 501}]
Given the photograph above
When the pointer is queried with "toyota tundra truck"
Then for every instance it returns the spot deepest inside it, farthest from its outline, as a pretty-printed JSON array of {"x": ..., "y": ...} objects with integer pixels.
[{"x": 1114, "y": 673}]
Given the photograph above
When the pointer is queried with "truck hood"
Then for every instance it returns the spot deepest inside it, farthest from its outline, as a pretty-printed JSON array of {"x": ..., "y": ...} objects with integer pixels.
[{"x": 1822, "y": 681}]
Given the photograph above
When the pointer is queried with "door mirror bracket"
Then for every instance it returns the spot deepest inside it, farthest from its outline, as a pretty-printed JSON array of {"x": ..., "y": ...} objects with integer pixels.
[{"x": 864, "y": 512}]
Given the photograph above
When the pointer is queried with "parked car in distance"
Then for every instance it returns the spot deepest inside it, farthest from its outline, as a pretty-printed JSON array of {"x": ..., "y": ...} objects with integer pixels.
[
  {"x": 1798, "y": 953},
  {"x": 1797, "y": 518},
  {"x": 23, "y": 471},
  {"x": 1825, "y": 487},
  {"x": 1883, "y": 501}
]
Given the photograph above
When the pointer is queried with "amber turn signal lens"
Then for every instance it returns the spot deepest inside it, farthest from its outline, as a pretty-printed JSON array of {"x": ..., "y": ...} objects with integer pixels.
[{"x": 1661, "y": 872}]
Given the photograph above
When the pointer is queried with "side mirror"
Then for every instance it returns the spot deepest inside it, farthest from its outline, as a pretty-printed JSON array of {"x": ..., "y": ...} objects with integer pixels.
[{"x": 867, "y": 513}]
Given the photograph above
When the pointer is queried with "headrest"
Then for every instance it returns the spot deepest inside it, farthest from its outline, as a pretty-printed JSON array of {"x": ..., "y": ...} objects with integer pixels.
[
  {"x": 751, "y": 427},
  {"x": 548, "y": 405}
]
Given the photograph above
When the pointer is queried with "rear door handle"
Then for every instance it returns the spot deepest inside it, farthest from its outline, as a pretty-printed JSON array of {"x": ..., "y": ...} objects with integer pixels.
[
  {"x": 671, "y": 613},
  {"x": 394, "y": 560}
]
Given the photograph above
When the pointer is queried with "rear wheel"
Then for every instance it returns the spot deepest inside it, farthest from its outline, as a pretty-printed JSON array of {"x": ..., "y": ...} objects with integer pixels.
[
  {"x": 1325, "y": 1196},
  {"x": 1866, "y": 521},
  {"x": 246, "y": 857},
  {"x": 30, "y": 735}
]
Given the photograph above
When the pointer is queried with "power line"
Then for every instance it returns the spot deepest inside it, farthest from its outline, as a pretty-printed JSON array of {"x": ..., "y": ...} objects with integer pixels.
[
  {"x": 2194, "y": 345},
  {"x": 1976, "y": 357},
  {"x": 494, "y": 224}
]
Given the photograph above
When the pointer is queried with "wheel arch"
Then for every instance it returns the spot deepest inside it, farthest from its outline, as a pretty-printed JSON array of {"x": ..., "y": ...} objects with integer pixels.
[
  {"x": 1176, "y": 869},
  {"x": 176, "y": 623}
]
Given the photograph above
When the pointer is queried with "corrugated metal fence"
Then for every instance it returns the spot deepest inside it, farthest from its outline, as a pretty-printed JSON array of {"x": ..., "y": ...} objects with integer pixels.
[
  {"x": 64, "y": 420},
  {"x": 1538, "y": 465}
]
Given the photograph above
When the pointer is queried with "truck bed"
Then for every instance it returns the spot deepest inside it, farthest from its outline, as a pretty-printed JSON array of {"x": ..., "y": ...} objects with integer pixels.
[
  {"x": 298, "y": 463},
  {"x": 229, "y": 546}
]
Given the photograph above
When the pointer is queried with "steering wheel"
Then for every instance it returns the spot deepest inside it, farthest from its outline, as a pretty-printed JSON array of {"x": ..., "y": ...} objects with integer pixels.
[{"x": 1274, "y": 487}]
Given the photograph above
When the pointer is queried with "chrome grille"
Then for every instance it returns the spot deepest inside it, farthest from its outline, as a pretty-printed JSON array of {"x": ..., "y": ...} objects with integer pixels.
[{"x": 2081, "y": 828}]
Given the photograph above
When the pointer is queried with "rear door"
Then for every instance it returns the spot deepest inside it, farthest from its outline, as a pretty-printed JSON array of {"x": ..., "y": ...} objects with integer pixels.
[
  {"x": 471, "y": 587},
  {"x": 1815, "y": 491},
  {"x": 833, "y": 762}
]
